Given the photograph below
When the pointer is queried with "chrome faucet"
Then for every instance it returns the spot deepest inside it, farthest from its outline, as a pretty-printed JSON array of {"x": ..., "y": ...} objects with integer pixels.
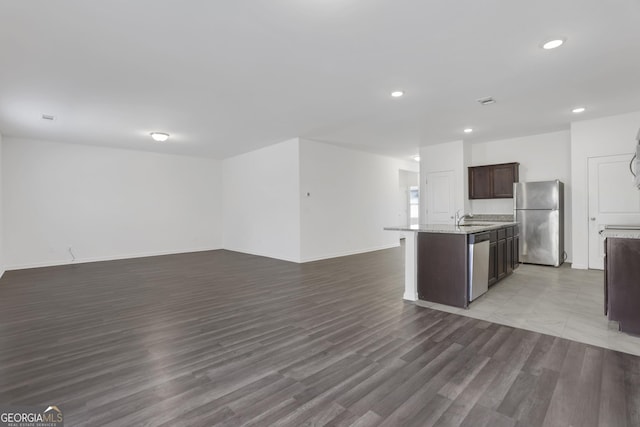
[{"x": 459, "y": 218}]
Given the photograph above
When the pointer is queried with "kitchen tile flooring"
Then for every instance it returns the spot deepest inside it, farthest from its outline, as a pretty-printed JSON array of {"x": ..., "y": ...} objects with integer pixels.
[{"x": 564, "y": 302}]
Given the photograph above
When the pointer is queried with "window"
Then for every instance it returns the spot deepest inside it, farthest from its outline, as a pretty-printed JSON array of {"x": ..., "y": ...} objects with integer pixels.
[{"x": 414, "y": 204}]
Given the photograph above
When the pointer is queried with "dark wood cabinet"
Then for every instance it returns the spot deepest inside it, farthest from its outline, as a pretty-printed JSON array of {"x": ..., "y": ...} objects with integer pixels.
[
  {"x": 502, "y": 258},
  {"x": 443, "y": 258},
  {"x": 516, "y": 251},
  {"x": 480, "y": 182},
  {"x": 503, "y": 253},
  {"x": 503, "y": 178},
  {"x": 493, "y": 181},
  {"x": 442, "y": 268},
  {"x": 515, "y": 261},
  {"x": 622, "y": 283},
  {"x": 509, "y": 255},
  {"x": 493, "y": 263}
]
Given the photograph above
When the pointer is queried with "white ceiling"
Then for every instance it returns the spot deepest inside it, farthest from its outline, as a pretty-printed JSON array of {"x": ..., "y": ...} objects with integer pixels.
[{"x": 226, "y": 77}]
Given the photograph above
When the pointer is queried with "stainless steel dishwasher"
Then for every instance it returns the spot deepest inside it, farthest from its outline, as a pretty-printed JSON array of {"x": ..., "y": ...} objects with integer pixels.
[{"x": 478, "y": 264}]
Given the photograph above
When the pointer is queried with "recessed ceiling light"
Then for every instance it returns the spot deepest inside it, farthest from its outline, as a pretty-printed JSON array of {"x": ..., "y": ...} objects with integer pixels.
[
  {"x": 468, "y": 130},
  {"x": 578, "y": 110},
  {"x": 397, "y": 93},
  {"x": 552, "y": 44},
  {"x": 416, "y": 158},
  {"x": 159, "y": 136}
]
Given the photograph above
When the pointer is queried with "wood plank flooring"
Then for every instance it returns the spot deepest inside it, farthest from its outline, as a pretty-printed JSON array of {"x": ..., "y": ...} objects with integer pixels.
[{"x": 226, "y": 339}]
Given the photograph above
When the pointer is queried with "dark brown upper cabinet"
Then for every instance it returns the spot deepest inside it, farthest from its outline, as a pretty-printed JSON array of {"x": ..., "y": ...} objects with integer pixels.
[{"x": 492, "y": 181}]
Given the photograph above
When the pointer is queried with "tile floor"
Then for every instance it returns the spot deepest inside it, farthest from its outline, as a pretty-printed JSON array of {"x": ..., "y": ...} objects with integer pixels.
[{"x": 561, "y": 301}]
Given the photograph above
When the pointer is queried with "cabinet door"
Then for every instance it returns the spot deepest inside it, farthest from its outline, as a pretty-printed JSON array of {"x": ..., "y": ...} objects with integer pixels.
[
  {"x": 509, "y": 250},
  {"x": 480, "y": 182},
  {"x": 516, "y": 251},
  {"x": 503, "y": 178},
  {"x": 502, "y": 258},
  {"x": 493, "y": 263}
]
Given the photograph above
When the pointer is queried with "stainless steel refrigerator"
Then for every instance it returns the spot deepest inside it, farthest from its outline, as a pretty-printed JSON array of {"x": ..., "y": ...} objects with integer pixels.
[{"x": 539, "y": 209}]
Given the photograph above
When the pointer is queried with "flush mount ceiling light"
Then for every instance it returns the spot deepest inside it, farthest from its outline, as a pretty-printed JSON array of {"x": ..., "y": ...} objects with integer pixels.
[
  {"x": 552, "y": 44},
  {"x": 578, "y": 110},
  {"x": 416, "y": 158},
  {"x": 159, "y": 136},
  {"x": 397, "y": 93},
  {"x": 468, "y": 130}
]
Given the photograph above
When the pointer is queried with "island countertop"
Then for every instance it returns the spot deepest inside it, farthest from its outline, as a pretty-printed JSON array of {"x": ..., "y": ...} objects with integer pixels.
[{"x": 477, "y": 227}]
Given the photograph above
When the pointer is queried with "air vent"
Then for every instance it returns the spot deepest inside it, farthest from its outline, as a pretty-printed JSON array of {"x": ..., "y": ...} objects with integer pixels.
[
  {"x": 48, "y": 117},
  {"x": 486, "y": 101}
]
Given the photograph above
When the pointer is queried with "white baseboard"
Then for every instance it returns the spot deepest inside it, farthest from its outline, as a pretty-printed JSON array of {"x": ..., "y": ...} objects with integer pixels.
[
  {"x": 262, "y": 254},
  {"x": 317, "y": 258},
  {"x": 353, "y": 252},
  {"x": 579, "y": 266},
  {"x": 106, "y": 258},
  {"x": 408, "y": 296},
  {"x": 54, "y": 263}
]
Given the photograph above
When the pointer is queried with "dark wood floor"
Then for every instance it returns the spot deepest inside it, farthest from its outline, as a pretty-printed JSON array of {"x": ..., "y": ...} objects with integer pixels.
[{"x": 221, "y": 338}]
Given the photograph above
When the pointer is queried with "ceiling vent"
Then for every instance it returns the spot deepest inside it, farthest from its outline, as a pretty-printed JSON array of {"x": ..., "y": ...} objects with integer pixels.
[
  {"x": 486, "y": 101},
  {"x": 48, "y": 117}
]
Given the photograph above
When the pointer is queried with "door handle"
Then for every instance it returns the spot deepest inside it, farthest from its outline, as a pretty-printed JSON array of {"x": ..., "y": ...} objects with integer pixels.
[{"x": 593, "y": 218}]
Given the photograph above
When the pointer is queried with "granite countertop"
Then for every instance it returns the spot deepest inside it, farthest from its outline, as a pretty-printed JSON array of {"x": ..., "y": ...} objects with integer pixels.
[
  {"x": 477, "y": 227},
  {"x": 621, "y": 233}
]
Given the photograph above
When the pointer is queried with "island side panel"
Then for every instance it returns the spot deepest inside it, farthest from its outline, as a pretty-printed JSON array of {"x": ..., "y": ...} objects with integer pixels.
[
  {"x": 442, "y": 268},
  {"x": 623, "y": 282},
  {"x": 410, "y": 267}
]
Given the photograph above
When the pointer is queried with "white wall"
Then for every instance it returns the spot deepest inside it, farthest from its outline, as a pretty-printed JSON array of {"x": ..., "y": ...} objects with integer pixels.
[
  {"x": 109, "y": 203},
  {"x": 105, "y": 203},
  {"x": 261, "y": 202},
  {"x": 592, "y": 138},
  {"x": 2, "y": 262},
  {"x": 353, "y": 195},
  {"x": 403, "y": 198},
  {"x": 542, "y": 157}
]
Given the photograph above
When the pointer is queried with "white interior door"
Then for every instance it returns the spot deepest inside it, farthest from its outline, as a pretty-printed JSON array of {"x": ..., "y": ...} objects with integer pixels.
[
  {"x": 613, "y": 200},
  {"x": 441, "y": 197}
]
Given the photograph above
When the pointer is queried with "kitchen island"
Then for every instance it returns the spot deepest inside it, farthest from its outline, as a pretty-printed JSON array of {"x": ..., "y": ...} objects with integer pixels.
[
  {"x": 437, "y": 264},
  {"x": 622, "y": 278}
]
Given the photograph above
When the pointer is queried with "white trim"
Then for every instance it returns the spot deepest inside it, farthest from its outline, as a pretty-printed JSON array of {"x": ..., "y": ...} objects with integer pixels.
[
  {"x": 262, "y": 254},
  {"x": 410, "y": 296},
  {"x": 579, "y": 266},
  {"x": 174, "y": 252},
  {"x": 347, "y": 253},
  {"x": 411, "y": 267},
  {"x": 107, "y": 258}
]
